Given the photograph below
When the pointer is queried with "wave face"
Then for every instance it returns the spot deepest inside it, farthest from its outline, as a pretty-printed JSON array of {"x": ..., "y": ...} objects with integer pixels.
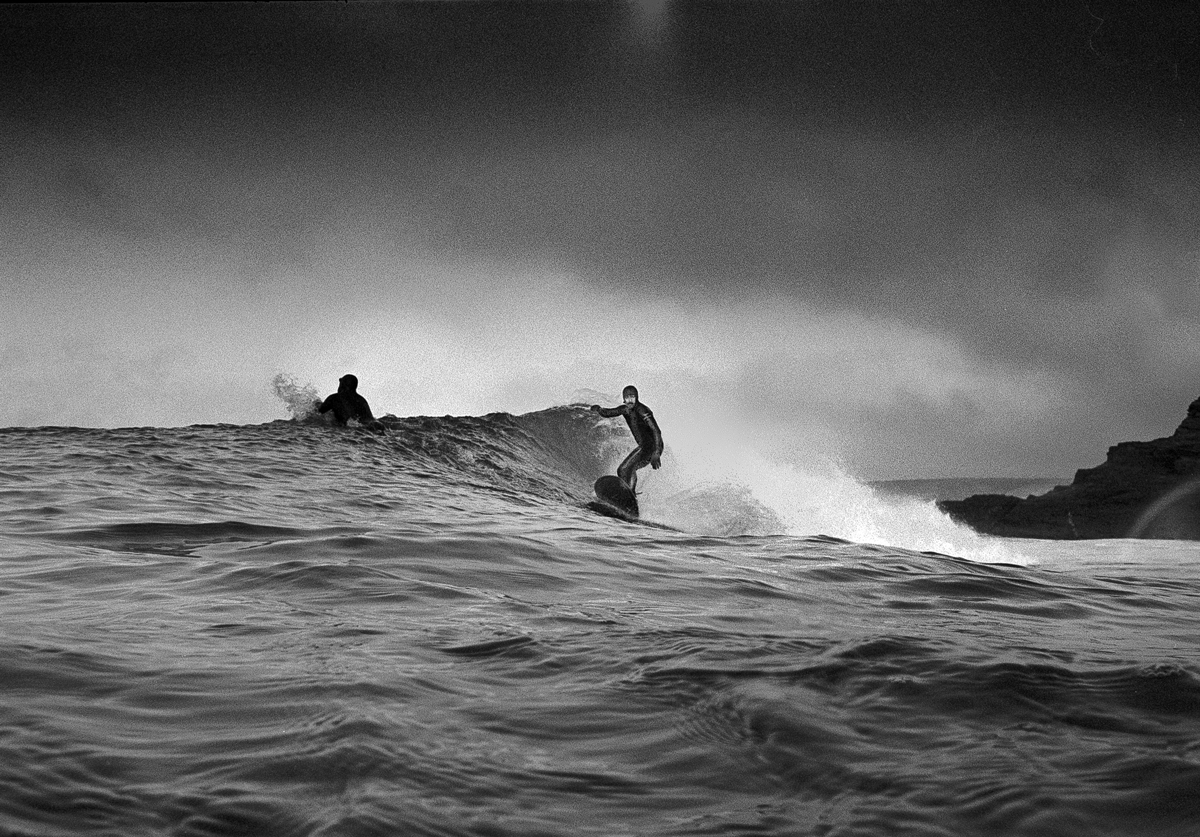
[{"x": 294, "y": 629}]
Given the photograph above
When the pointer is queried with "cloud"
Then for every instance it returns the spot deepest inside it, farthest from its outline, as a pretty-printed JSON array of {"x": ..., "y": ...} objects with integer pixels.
[{"x": 117, "y": 334}]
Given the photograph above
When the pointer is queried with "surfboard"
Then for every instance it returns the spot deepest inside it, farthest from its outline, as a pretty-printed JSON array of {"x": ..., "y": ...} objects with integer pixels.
[{"x": 613, "y": 492}]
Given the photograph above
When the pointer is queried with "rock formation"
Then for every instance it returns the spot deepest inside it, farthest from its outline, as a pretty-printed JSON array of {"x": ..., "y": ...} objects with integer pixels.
[{"x": 1142, "y": 490}]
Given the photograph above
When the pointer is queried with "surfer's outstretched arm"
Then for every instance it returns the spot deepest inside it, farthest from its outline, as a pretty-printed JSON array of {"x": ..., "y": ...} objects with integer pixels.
[{"x": 609, "y": 412}]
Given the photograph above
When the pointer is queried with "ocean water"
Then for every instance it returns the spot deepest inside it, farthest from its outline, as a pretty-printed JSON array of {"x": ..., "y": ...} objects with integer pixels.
[{"x": 294, "y": 629}]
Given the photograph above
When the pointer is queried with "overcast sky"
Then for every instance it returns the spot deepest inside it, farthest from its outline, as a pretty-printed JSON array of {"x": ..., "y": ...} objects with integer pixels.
[{"x": 927, "y": 238}]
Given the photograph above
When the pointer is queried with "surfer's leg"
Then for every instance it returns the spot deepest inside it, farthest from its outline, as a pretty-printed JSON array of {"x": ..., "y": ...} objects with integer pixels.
[{"x": 627, "y": 470}]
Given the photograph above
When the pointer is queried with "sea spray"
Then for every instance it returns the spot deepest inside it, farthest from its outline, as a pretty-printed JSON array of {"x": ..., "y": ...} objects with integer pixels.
[
  {"x": 722, "y": 490},
  {"x": 300, "y": 399}
]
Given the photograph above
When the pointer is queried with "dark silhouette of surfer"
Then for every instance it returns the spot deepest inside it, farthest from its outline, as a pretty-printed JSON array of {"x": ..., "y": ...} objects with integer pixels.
[
  {"x": 347, "y": 404},
  {"x": 645, "y": 432}
]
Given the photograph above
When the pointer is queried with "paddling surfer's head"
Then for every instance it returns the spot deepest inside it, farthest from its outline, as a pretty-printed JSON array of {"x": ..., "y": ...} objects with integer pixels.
[
  {"x": 347, "y": 383},
  {"x": 629, "y": 394}
]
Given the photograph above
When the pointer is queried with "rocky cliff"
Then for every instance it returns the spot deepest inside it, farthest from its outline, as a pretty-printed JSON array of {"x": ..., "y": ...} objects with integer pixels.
[{"x": 1142, "y": 490}]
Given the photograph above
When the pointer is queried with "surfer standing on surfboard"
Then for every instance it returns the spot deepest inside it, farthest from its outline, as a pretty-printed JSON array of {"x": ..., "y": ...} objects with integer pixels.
[
  {"x": 645, "y": 432},
  {"x": 347, "y": 404}
]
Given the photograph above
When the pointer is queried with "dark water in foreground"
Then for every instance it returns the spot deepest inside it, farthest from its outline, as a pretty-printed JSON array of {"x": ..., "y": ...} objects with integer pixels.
[{"x": 290, "y": 630}]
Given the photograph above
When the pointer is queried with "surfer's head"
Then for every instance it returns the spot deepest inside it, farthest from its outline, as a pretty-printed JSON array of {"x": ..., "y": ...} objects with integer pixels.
[
  {"x": 629, "y": 394},
  {"x": 347, "y": 383}
]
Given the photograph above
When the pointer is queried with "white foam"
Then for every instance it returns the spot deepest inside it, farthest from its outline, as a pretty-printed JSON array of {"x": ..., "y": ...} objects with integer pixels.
[{"x": 724, "y": 491}]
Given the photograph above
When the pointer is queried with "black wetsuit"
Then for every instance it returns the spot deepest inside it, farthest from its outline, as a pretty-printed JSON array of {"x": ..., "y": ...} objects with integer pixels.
[
  {"x": 346, "y": 406},
  {"x": 645, "y": 432}
]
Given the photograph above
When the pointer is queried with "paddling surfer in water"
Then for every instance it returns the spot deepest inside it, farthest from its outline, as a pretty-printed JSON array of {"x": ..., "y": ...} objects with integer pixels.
[
  {"x": 645, "y": 432},
  {"x": 347, "y": 404}
]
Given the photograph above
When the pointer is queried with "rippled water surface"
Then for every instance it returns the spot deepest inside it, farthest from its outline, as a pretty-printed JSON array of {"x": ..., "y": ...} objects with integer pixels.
[{"x": 291, "y": 630}]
